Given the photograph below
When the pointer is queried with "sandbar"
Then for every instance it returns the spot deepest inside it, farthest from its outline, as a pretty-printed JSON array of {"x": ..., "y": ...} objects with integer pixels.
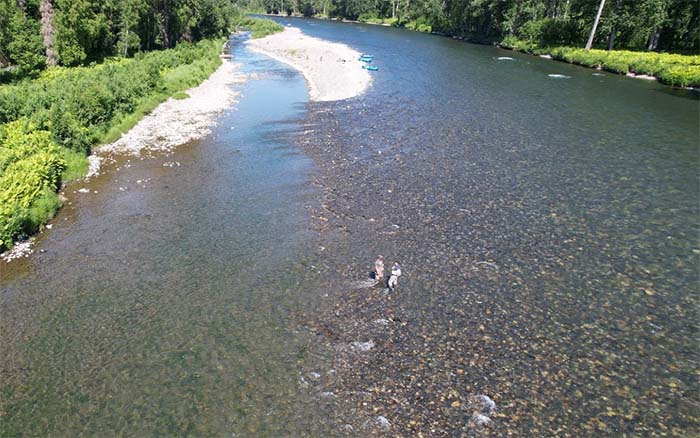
[{"x": 332, "y": 70}]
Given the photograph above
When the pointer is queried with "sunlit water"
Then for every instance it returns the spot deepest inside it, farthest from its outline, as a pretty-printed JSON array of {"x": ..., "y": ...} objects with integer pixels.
[{"x": 546, "y": 217}]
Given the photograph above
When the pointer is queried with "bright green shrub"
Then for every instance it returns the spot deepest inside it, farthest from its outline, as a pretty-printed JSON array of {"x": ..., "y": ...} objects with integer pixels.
[
  {"x": 513, "y": 43},
  {"x": 32, "y": 166},
  {"x": 681, "y": 75},
  {"x": 20, "y": 140}
]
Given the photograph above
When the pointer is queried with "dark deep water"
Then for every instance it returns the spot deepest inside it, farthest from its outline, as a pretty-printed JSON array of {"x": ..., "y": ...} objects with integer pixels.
[{"x": 548, "y": 229}]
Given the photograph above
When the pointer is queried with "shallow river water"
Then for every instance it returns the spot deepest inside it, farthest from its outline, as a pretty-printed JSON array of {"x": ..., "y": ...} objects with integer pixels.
[
  {"x": 547, "y": 227},
  {"x": 165, "y": 309},
  {"x": 546, "y": 217}
]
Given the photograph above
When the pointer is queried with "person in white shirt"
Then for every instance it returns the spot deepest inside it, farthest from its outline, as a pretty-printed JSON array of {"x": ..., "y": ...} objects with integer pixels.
[{"x": 395, "y": 274}]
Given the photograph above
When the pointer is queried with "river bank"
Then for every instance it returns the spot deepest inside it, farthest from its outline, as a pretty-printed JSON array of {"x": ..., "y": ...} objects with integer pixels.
[
  {"x": 51, "y": 123},
  {"x": 676, "y": 70},
  {"x": 178, "y": 121},
  {"x": 332, "y": 70},
  {"x": 171, "y": 124}
]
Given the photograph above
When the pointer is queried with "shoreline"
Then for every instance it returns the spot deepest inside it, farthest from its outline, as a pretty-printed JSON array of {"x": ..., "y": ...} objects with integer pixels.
[
  {"x": 541, "y": 53},
  {"x": 178, "y": 121},
  {"x": 331, "y": 70},
  {"x": 171, "y": 124}
]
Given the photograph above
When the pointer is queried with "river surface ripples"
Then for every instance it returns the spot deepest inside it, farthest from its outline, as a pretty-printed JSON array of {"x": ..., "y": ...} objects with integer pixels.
[{"x": 546, "y": 217}]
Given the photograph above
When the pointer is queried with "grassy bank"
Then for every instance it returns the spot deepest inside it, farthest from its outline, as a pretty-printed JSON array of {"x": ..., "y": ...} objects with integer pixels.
[
  {"x": 49, "y": 124},
  {"x": 671, "y": 69},
  {"x": 260, "y": 27}
]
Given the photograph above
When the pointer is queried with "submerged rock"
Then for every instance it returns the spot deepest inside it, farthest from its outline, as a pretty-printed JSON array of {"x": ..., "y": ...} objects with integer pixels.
[
  {"x": 362, "y": 346},
  {"x": 481, "y": 420},
  {"x": 382, "y": 421}
]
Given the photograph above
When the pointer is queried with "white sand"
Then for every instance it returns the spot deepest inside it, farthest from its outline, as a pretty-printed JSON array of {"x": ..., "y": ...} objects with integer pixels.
[
  {"x": 331, "y": 69},
  {"x": 175, "y": 122}
]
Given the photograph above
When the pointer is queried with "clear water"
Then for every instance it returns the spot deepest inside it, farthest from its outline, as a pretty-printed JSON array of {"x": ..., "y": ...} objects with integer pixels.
[
  {"x": 169, "y": 309},
  {"x": 547, "y": 227}
]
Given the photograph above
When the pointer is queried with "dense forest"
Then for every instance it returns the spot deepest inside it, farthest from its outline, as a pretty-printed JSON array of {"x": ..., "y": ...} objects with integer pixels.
[
  {"x": 39, "y": 33},
  {"x": 654, "y": 25}
]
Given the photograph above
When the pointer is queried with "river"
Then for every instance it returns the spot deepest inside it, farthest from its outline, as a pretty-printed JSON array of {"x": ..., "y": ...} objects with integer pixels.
[{"x": 547, "y": 227}]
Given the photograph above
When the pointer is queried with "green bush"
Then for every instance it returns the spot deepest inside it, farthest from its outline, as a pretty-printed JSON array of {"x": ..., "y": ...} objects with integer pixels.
[
  {"x": 513, "y": 43},
  {"x": 560, "y": 32},
  {"x": 681, "y": 75},
  {"x": 261, "y": 27},
  {"x": 547, "y": 31},
  {"x": 368, "y": 17},
  {"x": 31, "y": 167},
  {"x": 420, "y": 24},
  {"x": 531, "y": 31}
]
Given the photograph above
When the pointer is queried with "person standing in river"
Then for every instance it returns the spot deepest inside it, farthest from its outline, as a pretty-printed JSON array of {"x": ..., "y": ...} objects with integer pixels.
[
  {"x": 379, "y": 269},
  {"x": 395, "y": 274}
]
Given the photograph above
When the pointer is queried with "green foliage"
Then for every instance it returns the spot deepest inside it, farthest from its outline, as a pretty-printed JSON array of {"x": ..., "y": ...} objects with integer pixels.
[
  {"x": 681, "y": 75},
  {"x": 385, "y": 21},
  {"x": 513, "y": 43},
  {"x": 663, "y": 25},
  {"x": 261, "y": 27},
  {"x": 31, "y": 166},
  {"x": 420, "y": 24},
  {"x": 24, "y": 46},
  {"x": 548, "y": 31},
  {"x": 40, "y": 211},
  {"x": 85, "y": 31},
  {"x": 76, "y": 165}
]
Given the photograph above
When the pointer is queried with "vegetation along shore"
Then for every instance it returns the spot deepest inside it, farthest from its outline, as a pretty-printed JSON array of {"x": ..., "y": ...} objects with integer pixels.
[
  {"x": 77, "y": 87},
  {"x": 658, "y": 38}
]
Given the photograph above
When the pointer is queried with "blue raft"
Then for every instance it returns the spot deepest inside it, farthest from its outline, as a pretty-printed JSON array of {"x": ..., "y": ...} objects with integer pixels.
[
  {"x": 370, "y": 67},
  {"x": 365, "y": 59}
]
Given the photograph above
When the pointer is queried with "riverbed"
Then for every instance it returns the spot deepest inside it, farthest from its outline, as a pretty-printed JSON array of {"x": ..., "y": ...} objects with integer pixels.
[{"x": 546, "y": 219}]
